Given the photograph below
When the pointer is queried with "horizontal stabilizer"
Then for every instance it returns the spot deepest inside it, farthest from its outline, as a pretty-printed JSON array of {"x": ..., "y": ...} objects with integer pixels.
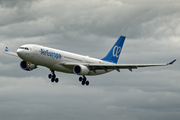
[{"x": 10, "y": 53}]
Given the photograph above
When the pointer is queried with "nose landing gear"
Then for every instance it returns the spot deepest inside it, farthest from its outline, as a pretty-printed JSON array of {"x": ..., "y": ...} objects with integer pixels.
[
  {"x": 53, "y": 77},
  {"x": 83, "y": 80}
]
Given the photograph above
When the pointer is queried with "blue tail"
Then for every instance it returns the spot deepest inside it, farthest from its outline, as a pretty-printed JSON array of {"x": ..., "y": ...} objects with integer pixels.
[{"x": 115, "y": 51}]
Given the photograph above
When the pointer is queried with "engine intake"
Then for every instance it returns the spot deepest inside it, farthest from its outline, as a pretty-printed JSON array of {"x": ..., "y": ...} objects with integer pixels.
[
  {"x": 27, "y": 66},
  {"x": 81, "y": 70}
]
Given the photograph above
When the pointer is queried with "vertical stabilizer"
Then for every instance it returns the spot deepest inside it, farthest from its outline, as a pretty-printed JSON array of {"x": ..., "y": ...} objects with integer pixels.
[{"x": 115, "y": 51}]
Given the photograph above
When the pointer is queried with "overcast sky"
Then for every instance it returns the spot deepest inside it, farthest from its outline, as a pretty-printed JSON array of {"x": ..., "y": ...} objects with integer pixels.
[{"x": 152, "y": 30}]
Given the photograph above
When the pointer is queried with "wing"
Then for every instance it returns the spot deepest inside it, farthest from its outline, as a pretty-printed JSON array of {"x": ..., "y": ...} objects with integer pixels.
[
  {"x": 10, "y": 53},
  {"x": 117, "y": 67},
  {"x": 126, "y": 66}
]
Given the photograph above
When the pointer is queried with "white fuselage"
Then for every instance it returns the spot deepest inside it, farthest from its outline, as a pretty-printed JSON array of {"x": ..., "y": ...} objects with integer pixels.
[{"x": 55, "y": 59}]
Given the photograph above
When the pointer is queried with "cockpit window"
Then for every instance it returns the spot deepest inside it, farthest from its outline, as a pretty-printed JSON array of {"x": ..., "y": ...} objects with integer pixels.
[
  {"x": 21, "y": 47},
  {"x": 25, "y": 48}
]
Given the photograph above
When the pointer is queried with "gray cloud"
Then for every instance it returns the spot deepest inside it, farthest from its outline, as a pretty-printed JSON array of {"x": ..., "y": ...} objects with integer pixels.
[
  {"x": 16, "y": 3},
  {"x": 91, "y": 28}
]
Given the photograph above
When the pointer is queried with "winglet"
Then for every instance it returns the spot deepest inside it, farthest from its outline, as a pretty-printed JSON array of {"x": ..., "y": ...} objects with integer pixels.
[
  {"x": 6, "y": 49},
  {"x": 171, "y": 62}
]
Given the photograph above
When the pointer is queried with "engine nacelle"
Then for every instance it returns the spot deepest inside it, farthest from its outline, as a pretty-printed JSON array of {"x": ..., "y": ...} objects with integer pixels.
[
  {"x": 27, "y": 66},
  {"x": 81, "y": 70}
]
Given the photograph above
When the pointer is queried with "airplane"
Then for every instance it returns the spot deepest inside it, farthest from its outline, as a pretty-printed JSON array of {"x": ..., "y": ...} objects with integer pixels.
[{"x": 33, "y": 55}]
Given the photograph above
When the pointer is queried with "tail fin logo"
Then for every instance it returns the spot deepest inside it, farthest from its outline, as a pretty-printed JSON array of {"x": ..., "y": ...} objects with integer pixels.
[
  {"x": 116, "y": 51},
  {"x": 6, "y": 49}
]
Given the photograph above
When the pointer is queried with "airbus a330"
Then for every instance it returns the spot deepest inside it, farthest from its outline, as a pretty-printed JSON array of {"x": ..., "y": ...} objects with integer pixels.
[{"x": 33, "y": 55}]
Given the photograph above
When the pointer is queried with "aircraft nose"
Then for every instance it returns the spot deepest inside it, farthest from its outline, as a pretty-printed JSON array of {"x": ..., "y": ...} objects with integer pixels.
[{"x": 19, "y": 52}]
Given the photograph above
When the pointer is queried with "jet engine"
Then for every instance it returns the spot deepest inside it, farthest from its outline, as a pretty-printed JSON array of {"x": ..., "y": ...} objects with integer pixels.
[
  {"x": 27, "y": 66},
  {"x": 81, "y": 70}
]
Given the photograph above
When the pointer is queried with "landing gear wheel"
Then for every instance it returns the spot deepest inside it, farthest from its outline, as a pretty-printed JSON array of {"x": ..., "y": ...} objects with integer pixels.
[
  {"x": 87, "y": 83},
  {"x": 83, "y": 82},
  {"x": 53, "y": 77},
  {"x": 50, "y": 76},
  {"x": 56, "y": 80},
  {"x": 52, "y": 80},
  {"x": 80, "y": 79}
]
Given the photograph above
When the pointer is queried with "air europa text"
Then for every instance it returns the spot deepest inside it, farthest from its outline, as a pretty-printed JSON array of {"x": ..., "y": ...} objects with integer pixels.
[{"x": 50, "y": 54}]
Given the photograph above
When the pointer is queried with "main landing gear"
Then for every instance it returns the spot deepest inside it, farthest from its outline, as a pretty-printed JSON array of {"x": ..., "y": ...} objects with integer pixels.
[
  {"x": 53, "y": 77},
  {"x": 83, "y": 80}
]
